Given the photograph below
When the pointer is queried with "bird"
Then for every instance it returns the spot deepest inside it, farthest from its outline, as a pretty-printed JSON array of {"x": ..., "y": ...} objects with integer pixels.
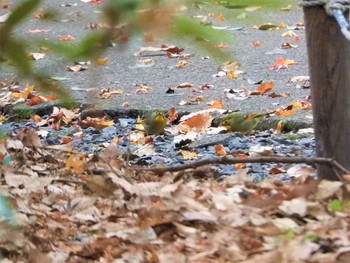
[
  {"x": 154, "y": 122},
  {"x": 240, "y": 122}
]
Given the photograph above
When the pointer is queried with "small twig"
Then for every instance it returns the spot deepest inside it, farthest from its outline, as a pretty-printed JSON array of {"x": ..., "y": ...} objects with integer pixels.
[
  {"x": 59, "y": 180},
  {"x": 53, "y": 149},
  {"x": 232, "y": 160}
]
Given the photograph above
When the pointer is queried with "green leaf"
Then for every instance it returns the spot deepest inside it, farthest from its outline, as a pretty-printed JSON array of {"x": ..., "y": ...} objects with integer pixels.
[
  {"x": 312, "y": 236},
  {"x": 335, "y": 205}
]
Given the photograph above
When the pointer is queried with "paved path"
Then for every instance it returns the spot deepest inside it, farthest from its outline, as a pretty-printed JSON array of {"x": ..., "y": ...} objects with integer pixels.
[{"x": 120, "y": 71}]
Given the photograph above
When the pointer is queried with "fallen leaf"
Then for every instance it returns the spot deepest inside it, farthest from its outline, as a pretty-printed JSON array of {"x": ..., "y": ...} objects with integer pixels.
[
  {"x": 198, "y": 122},
  {"x": 188, "y": 154},
  {"x": 275, "y": 170},
  {"x": 231, "y": 74},
  {"x": 77, "y": 68},
  {"x": 28, "y": 90},
  {"x": 76, "y": 163},
  {"x": 181, "y": 64},
  {"x": 265, "y": 87},
  {"x": 299, "y": 79},
  {"x": 220, "y": 149},
  {"x": 185, "y": 85},
  {"x": 34, "y": 100},
  {"x": 256, "y": 43},
  {"x": 172, "y": 115},
  {"x": 287, "y": 45},
  {"x": 301, "y": 170},
  {"x": 107, "y": 93},
  {"x": 66, "y": 38},
  {"x": 102, "y": 60},
  {"x": 216, "y": 104},
  {"x": 219, "y": 18}
]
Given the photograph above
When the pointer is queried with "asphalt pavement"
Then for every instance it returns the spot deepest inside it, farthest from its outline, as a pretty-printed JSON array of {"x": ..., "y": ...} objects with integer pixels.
[{"x": 123, "y": 71}]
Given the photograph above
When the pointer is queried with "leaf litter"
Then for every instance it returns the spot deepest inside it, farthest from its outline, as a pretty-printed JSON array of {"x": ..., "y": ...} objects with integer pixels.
[{"x": 98, "y": 207}]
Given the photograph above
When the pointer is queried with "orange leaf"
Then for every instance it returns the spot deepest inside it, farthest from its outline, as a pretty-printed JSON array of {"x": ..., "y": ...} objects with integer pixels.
[
  {"x": 52, "y": 97},
  {"x": 285, "y": 112},
  {"x": 240, "y": 165},
  {"x": 220, "y": 18},
  {"x": 265, "y": 87},
  {"x": 36, "y": 118},
  {"x": 185, "y": 85},
  {"x": 216, "y": 104},
  {"x": 296, "y": 38},
  {"x": 280, "y": 61},
  {"x": 199, "y": 121},
  {"x": 219, "y": 149},
  {"x": 65, "y": 38},
  {"x": 34, "y": 100},
  {"x": 256, "y": 43},
  {"x": 66, "y": 139},
  {"x": 181, "y": 64},
  {"x": 173, "y": 115}
]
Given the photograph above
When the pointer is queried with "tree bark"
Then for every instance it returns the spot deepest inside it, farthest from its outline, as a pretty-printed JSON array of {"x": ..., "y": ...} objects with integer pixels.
[{"x": 329, "y": 68}]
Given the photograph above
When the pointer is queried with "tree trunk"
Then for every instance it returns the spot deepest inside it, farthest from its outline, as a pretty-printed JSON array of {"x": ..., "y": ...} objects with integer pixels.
[{"x": 329, "y": 67}]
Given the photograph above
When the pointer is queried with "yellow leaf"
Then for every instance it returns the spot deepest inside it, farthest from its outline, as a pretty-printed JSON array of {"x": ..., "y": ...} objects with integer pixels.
[
  {"x": 231, "y": 74},
  {"x": 76, "y": 163},
  {"x": 102, "y": 61},
  {"x": 280, "y": 126},
  {"x": 23, "y": 95},
  {"x": 106, "y": 123},
  {"x": 188, "y": 154}
]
